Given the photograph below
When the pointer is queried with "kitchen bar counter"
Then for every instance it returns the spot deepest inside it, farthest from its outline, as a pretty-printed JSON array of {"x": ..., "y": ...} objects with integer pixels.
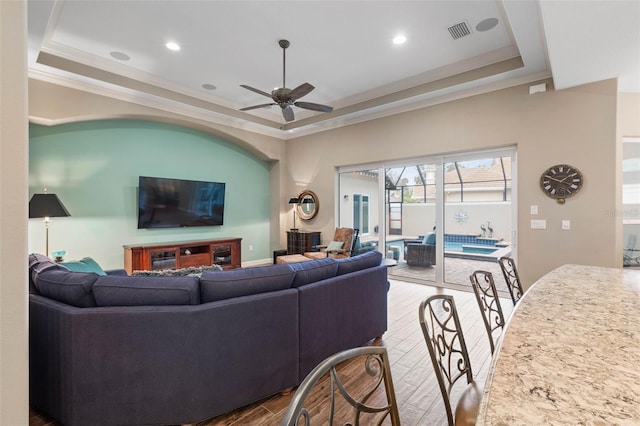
[{"x": 570, "y": 353}]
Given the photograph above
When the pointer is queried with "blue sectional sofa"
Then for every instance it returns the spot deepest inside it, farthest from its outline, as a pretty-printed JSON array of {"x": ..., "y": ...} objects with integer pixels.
[{"x": 119, "y": 350}]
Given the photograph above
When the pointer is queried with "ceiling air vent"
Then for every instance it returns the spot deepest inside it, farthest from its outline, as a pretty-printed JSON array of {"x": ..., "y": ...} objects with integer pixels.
[{"x": 459, "y": 30}]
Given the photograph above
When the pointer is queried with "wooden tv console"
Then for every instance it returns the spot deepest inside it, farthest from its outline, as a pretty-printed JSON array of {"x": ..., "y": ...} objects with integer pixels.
[{"x": 225, "y": 252}]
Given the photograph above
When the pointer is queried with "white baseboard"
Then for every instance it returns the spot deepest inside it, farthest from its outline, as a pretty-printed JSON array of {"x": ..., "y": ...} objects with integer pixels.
[{"x": 258, "y": 262}]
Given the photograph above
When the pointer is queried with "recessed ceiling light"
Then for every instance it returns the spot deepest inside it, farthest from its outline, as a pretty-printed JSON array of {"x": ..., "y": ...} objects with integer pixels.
[
  {"x": 120, "y": 56},
  {"x": 399, "y": 39},
  {"x": 172, "y": 45},
  {"x": 487, "y": 24},
  {"x": 208, "y": 86}
]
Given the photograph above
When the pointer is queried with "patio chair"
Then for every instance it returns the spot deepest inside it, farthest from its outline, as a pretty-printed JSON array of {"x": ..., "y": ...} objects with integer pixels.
[
  {"x": 372, "y": 399},
  {"x": 421, "y": 252},
  {"x": 341, "y": 246}
]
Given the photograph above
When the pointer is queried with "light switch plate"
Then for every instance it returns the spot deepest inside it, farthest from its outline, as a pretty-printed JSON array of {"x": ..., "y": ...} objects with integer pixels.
[
  {"x": 534, "y": 209},
  {"x": 538, "y": 224},
  {"x": 566, "y": 225}
]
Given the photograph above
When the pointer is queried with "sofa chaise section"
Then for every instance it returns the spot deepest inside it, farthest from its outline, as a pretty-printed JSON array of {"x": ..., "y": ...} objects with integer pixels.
[{"x": 341, "y": 312}]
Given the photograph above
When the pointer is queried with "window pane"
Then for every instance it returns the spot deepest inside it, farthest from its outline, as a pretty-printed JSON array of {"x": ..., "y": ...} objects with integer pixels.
[{"x": 478, "y": 180}]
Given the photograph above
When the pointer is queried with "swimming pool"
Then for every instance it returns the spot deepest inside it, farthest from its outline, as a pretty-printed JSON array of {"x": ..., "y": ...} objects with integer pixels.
[{"x": 468, "y": 247}]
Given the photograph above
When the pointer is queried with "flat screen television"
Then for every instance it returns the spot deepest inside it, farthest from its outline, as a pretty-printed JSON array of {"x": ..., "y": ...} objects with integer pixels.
[{"x": 179, "y": 203}]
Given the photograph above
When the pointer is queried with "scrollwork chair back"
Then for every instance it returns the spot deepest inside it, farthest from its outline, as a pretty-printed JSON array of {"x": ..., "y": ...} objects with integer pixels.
[
  {"x": 510, "y": 272},
  {"x": 487, "y": 297},
  {"x": 369, "y": 400},
  {"x": 445, "y": 341}
]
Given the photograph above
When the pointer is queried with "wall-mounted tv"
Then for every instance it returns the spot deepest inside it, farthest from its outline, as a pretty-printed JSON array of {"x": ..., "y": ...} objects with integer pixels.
[{"x": 178, "y": 203}]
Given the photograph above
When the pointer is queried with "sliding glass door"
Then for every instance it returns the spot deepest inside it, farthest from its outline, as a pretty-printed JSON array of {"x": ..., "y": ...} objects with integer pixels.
[
  {"x": 466, "y": 201},
  {"x": 478, "y": 215},
  {"x": 631, "y": 202},
  {"x": 411, "y": 215}
]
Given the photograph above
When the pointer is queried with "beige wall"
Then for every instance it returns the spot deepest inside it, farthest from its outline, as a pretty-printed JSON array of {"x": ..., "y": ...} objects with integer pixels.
[
  {"x": 14, "y": 391},
  {"x": 579, "y": 126},
  {"x": 575, "y": 126},
  {"x": 629, "y": 114}
]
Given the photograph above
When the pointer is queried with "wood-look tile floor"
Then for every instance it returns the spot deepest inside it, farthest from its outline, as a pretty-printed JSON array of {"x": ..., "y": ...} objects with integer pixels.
[{"x": 416, "y": 388}]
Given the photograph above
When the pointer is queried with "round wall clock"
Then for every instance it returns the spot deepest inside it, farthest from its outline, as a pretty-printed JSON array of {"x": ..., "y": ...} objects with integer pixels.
[{"x": 561, "y": 182}]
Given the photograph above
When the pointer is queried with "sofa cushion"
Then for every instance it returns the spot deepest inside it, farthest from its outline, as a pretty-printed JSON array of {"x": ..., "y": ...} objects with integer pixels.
[
  {"x": 86, "y": 264},
  {"x": 356, "y": 263},
  {"x": 314, "y": 270},
  {"x": 39, "y": 263},
  {"x": 112, "y": 290},
  {"x": 72, "y": 288},
  {"x": 242, "y": 282}
]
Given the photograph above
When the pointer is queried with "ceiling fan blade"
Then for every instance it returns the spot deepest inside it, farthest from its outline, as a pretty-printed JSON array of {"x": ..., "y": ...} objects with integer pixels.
[
  {"x": 258, "y": 106},
  {"x": 314, "y": 107},
  {"x": 287, "y": 113},
  {"x": 300, "y": 91},
  {"x": 253, "y": 89}
]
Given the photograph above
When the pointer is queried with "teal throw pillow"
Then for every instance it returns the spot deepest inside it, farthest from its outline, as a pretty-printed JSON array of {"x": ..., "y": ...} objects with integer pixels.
[
  {"x": 335, "y": 245},
  {"x": 85, "y": 264}
]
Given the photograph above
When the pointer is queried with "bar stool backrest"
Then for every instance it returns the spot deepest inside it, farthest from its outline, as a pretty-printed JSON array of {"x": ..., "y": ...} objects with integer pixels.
[
  {"x": 373, "y": 401},
  {"x": 489, "y": 303},
  {"x": 445, "y": 341},
  {"x": 510, "y": 272}
]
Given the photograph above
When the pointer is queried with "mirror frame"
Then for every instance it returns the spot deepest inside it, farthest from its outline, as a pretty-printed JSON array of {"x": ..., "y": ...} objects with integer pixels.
[{"x": 307, "y": 215}]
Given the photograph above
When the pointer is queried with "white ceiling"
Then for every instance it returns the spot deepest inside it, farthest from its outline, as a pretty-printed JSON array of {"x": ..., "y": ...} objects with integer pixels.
[{"x": 343, "y": 48}]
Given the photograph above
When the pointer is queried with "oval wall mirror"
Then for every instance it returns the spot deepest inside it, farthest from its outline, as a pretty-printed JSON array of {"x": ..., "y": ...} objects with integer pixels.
[{"x": 308, "y": 207}]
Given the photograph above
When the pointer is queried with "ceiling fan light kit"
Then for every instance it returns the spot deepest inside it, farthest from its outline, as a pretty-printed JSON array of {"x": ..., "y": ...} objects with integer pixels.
[{"x": 284, "y": 97}]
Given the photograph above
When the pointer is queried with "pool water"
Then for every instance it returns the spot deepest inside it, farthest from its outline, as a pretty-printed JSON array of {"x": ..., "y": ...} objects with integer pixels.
[{"x": 466, "y": 248}]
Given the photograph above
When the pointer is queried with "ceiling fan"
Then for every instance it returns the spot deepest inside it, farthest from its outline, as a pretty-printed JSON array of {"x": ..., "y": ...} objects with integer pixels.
[{"x": 286, "y": 98}]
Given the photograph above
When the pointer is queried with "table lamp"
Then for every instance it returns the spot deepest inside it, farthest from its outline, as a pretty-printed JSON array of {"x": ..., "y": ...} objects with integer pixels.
[
  {"x": 46, "y": 206},
  {"x": 295, "y": 201}
]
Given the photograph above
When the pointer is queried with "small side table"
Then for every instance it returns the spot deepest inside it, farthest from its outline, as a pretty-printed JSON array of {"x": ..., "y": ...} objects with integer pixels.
[{"x": 390, "y": 262}]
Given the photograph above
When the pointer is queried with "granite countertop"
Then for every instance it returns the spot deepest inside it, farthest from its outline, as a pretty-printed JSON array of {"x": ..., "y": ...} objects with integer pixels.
[{"x": 570, "y": 353}]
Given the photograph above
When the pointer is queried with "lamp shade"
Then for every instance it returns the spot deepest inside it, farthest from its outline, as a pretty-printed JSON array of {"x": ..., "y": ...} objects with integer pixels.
[
  {"x": 294, "y": 200},
  {"x": 47, "y": 205},
  {"x": 307, "y": 201}
]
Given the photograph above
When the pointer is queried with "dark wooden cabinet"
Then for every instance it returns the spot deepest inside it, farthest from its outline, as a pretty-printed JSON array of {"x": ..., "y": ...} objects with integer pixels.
[
  {"x": 300, "y": 242},
  {"x": 225, "y": 252}
]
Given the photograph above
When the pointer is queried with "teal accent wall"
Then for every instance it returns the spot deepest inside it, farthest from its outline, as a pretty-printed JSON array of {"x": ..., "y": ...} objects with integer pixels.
[{"x": 94, "y": 167}]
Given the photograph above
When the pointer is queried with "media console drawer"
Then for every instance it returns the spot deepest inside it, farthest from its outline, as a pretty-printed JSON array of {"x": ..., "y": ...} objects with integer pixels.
[
  {"x": 187, "y": 260},
  {"x": 225, "y": 252}
]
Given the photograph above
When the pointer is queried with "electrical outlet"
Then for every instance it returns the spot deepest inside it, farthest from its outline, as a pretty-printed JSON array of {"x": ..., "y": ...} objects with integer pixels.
[{"x": 250, "y": 247}]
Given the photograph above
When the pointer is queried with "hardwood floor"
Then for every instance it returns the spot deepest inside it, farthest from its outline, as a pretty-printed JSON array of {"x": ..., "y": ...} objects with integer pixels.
[{"x": 416, "y": 388}]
